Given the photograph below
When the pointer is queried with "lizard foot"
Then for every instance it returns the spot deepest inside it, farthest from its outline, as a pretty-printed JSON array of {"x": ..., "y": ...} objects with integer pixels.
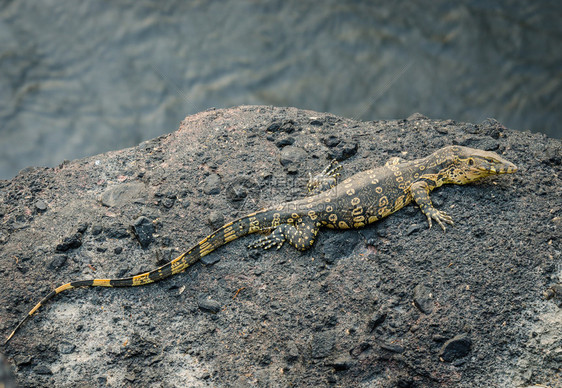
[
  {"x": 267, "y": 242},
  {"x": 440, "y": 217},
  {"x": 326, "y": 179}
]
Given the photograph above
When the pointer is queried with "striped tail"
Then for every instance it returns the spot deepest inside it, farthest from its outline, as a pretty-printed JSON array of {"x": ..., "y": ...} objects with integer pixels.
[{"x": 251, "y": 223}]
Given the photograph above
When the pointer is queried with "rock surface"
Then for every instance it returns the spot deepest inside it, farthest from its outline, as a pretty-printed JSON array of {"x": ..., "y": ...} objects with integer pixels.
[{"x": 345, "y": 313}]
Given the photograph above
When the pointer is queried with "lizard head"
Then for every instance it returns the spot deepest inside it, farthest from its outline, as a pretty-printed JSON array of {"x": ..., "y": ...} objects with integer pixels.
[{"x": 471, "y": 164}]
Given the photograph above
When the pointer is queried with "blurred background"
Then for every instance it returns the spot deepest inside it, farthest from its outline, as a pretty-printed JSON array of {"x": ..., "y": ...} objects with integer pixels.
[{"x": 83, "y": 77}]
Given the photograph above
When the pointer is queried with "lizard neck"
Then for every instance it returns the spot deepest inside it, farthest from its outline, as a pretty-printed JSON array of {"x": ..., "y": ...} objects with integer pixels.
[{"x": 439, "y": 168}]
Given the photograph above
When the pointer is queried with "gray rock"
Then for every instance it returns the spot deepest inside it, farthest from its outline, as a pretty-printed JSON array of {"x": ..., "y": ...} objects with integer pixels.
[
  {"x": 143, "y": 229},
  {"x": 413, "y": 229},
  {"x": 423, "y": 299},
  {"x": 292, "y": 155},
  {"x": 285, "y": 142},
  {"x": 394, "y": 348},
  {"x": 66, "y": 347},
  {"x": 377, "y": 319},
  {"x": 41, "y": 205},
  {"x": 122, "y": 194},
  {"x": 290, "y": 296},
  {"x": 207, "y": 304},
  {"x": 457, "y": 347},
  {"x": 58, "y": 262},
  {"x": 210, "y": 259},
  {"x": 212, "y": 185},
  {"x": 322, "y": 344},
  {"x": 116, "y": 231},
  {"x": 71, "y": 242},
  {"x": 216, "y": 219}
]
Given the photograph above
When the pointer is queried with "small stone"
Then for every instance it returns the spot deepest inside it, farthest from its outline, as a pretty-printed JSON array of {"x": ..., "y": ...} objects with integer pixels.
[
  {"x": 274, "y": 127},
  {"x": 143, "y": 229},
  {"x": 457, "y": 347},
  {"x": 130, "y": 376},
  {"x": 322, "y": 344},
  {"x": 377, "y": 319},
  {"x": 332, "y": 141},
  {"x": 292, "y": 169},
  {"x": 41, "y": 205},
  {"x": 211, "y": 185},
  {"x": 316, "y": 123},
  {"x": 394, "y": 348},
  {"x": 96, "y": 229},
  {"x": 123, "y": 194},
  {"x": 285, "y": 142},
  {"x": 23, "y": 360},
  {"x": 292, "y": 154},
  {"x": 83, "y": 227},
  {"x": 554, "y": 293},
  {"x": 207, "y": 304},
  {"x": 293, "y": 352},
  {"x": 216, "y": 219},
  {"x": 117, "y": 232},
  {"x": 423, "y": 299},
  {"x": 288, "y": 126},
  {"x": 168, "y": 202},
  {"x": 58, "y": 262},
  {"x": 258, "y": 271},
  {"x": 72, "y": 242},
  {"x": 210, "y": 259},
  {"x": 118, "y": 250},
  {"x": 343, "y": 150},
  {"x": 66, "y": 347},
  {"x": 413, "y": 229},
  {"x": 42, "y": 370},
  {"x": 349, "y": 150}
]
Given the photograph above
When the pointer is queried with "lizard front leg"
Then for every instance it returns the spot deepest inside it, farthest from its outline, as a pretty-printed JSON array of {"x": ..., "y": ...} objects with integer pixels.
[
  {"x": 325, "y": 180},
  {"x": 420, "y": 194},
  {"x": 301, "y": 236}
]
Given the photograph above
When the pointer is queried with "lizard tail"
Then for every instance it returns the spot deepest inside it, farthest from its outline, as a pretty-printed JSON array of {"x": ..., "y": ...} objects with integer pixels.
[{"x": 241, "y": 227}]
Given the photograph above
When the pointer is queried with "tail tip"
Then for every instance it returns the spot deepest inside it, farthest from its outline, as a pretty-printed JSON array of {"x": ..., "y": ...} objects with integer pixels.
[{"x": 9, "y": 338}]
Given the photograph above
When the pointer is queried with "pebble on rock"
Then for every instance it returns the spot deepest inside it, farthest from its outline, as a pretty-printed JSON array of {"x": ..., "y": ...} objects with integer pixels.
[
  {"x": 41, "y": 205},
  {"x": 212, "y": 183},
  {"x": 143, "y": 229},
  {"x": 291, "y": 154},
  {"x": 121, "y": 195},
  {"x": 423, "y": 299},
  {"x": 72, "y": 242},
  {"x": 207, "y": 304},
  {"x": 457, "y": 347}
]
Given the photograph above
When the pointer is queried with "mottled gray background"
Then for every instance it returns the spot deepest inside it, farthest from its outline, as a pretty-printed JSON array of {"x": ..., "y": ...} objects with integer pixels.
[{"x": 82, "y": 77}]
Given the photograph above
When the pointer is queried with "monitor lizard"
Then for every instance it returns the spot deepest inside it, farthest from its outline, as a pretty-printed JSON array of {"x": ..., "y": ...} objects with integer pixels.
[{"x": 360, "y": 200}]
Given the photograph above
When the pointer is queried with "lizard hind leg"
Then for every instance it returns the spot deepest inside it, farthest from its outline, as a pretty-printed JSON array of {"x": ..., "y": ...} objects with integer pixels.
[
  {"x": 276, "y": 238},
  {"x": 394, "y": 161},
  {"x": 300, "y": 236},
  {"x": 325, "y": 180}
]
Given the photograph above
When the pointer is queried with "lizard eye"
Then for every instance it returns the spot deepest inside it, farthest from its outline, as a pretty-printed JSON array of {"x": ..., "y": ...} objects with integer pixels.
[{"x": 470, "y": 162}]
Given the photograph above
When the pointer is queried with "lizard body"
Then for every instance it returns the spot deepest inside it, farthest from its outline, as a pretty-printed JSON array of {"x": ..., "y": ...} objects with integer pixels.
[{"x": 360, "y": 200}]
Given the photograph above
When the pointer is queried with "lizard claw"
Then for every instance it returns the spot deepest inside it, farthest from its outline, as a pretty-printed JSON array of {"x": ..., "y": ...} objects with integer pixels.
[
  {"x": 440, "y": 217},
  {"x": 266, "y": 243}
]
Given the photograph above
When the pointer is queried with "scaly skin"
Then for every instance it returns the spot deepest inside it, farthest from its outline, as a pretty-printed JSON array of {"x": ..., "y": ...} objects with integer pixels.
[{"x": 359, "y": 200}]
